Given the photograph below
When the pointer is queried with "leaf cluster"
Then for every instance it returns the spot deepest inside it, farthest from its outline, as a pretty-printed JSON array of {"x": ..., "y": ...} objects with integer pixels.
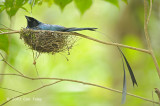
[{"x": 12, "y": 6}]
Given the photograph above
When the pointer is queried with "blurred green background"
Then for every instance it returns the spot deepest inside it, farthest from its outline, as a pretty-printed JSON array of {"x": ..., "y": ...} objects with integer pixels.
[{"x": 88, "y": 61}]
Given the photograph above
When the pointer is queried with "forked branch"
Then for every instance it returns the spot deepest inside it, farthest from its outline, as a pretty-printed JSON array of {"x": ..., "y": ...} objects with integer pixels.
[
  {"x": 69, "y": 80},
  {"x": 146, "y": 21}
]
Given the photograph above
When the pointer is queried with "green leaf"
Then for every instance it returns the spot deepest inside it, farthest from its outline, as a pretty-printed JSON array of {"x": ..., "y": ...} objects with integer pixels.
[
  {"x": 2, "y": 7},
  {"x": 12, "y": 6},
  {"x": 83, "y": 5},
  {"x": 24, "y": 9},
  {"x": 62, "y": 3},
  {"x": 114, "y": 2},
  {"x": 4, "y": 43},
  {"x": 126, "y": 1}
]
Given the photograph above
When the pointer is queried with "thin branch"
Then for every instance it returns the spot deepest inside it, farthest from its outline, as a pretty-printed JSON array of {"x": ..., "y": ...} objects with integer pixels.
[
  {"x": 147, "y": 37},
  {"x": 3, "y": 69},
  {"x": 6, "y": 28},
  {"x": 111, "y": 43},
  {"x": 12, "y": 67},
  {"x": 150, "y": 11},
  {"x": 29, "y": 92},
  {"x": 11, "y": 90},
  {"x": 1, "y": 31},
  {"x": 90, "y": 38},
  {"x": 4, "y": 60},
  {"x": 86, "y": 83},
  {"x": 153, "y": 98},
  {"x": 12, "y": 32},
  {"x": 157, "y": 91}
]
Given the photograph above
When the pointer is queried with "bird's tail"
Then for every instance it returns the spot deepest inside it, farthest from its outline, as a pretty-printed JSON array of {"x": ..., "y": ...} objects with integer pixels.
[{"x": 78, "y": 29}]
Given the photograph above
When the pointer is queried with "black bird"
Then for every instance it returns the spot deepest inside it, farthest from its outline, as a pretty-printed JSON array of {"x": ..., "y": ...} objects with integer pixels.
[{"x": 32, "y": 23}]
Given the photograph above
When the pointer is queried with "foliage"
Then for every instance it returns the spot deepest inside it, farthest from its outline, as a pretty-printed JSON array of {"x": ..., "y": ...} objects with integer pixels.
[
  {"x": 83, "y": 5},
  {"x": 62, "y": 3},
  {"x": 12, "y": 6},
  {"x": 115, "y": 2}
]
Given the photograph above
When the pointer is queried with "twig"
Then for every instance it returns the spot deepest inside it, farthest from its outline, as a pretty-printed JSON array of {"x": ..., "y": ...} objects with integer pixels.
[
  {"x": 4, "y": 60},
  {"x": 150, "y": 11},
  {"x": 9, "y": 32},
  {"x": 7, "y": 28},
  {"x": 110, "y": 43},
  {"x": 11, "y": 90},
  {"x": 153, "y": 98},
  {"x": 3, "y": 69},
  {"x": 157, "y": 91},
  {"x": 29, "y": 92},
  {"x": 147, "y": 36},
  {"x": 86, "y": 83},
  {"x": 1, "y": 31},
  {"x": 90, "y": 38}
]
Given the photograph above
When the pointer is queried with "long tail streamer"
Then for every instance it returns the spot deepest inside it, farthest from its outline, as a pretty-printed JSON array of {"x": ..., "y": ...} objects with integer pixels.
[{"x": 124, "y": 92}]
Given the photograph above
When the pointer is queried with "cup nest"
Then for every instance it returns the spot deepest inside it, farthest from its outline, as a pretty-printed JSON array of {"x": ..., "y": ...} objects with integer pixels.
[{"x": 44, "y": 41}]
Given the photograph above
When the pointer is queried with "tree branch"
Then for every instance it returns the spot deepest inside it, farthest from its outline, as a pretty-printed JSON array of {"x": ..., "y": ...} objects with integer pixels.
[
  {"x": 12, "y": 32},
  {"x": 3, "y": 68},
  {"x": 29, "y": 92},
  {"x": 150, "y": 51},
  {"x": 90, "y": 38},
  {"x": 86, "y": 83},
  {"x": 150, "y": 11},
  {"x": 147, "y": 36},
  {"x": 11, "y": 90},
  {"x": 157, "y": 91},
  {"x": 4, "y": 60},
  {"x": 111, "y": 43}
]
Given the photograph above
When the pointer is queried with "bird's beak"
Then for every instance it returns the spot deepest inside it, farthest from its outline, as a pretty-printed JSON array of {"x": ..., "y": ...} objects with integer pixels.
[{"x": 27, "y": 18}]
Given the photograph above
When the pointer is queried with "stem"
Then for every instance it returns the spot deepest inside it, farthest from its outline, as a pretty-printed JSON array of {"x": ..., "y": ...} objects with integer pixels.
[{"x": 147, "y": 36}]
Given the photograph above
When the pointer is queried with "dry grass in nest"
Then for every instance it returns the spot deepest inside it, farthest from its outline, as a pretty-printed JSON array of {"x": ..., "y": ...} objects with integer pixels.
[{"x": 47, "y": 41}]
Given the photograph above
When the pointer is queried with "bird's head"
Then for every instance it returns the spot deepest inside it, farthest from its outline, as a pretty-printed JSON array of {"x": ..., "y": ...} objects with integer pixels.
[{"x": 31, "y": 22}]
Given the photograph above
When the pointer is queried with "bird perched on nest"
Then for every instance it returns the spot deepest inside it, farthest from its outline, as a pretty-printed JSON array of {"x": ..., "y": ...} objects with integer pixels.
[{"x": 32, "y": 23}]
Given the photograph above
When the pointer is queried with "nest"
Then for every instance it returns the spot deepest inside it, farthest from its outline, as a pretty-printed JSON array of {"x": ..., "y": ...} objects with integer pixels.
[{"x": 44, "y": 41}]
